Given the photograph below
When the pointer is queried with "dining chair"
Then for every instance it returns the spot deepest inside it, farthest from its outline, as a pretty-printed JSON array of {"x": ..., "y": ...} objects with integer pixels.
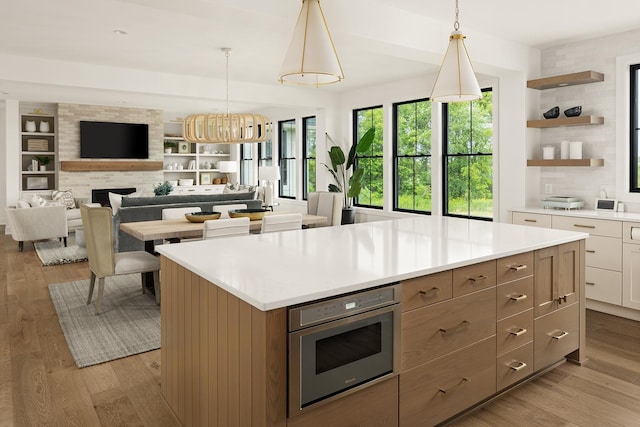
[
  {"x": 224, "y": 209},
  {"x": 272, "y": 223},
  {"x": 104, "y": 261},
  {"x": 177, "y": 213},
  {"x": 215, "y": 228},
  {"x": 328, "y": 204}
]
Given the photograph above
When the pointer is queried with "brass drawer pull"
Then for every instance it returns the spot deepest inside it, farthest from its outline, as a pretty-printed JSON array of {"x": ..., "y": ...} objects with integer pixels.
[
  {"x": 478, "y": 278},
  {"x": 517, "y": 331},
  {"x": 590, "y": 251},
  {"x": 430, "y": 291},
  {"x": 517, "y": 267},
  {"x": 530, "y": 220},
  {"x": 516, "y": 366},
  {"x": 590, "y": 283},
  {"x": 520, "y": 297},
  {"x": 462, "y": 381},
  {"x": 559, "y": 336},
  {"x": 584, "y": 226},
  {"x": 458, "y": 326}
]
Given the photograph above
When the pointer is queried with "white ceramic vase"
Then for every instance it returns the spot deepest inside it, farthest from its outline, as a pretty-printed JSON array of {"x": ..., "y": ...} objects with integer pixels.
[
  {"x": 44, "y": 126},
  {"x": 30, "y": 126}
]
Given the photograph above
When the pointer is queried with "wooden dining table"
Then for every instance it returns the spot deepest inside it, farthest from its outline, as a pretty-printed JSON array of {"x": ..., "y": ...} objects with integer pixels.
[{"x": 149, "y": 231}]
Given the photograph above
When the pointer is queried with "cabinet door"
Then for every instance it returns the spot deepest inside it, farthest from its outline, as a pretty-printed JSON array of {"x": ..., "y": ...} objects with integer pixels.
[
  {"x": 545, "y": 277},
  {"x": 568, "y": 273},
  {"x": 631, "y": 276}
]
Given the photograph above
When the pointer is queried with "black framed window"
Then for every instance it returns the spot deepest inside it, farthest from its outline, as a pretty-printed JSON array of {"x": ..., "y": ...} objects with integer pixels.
[
  {"x": 265, "y": 153},
  {"x": 468, "y": 158},
  {"x": 634, "y": 137},
  {"x": 412, "y": 156},
  {"x": 246, "y": 164},
  {"x": 287, "y": 157},
  {"x": 309, "y": 150},
  {"x": 372, "y": 194}
]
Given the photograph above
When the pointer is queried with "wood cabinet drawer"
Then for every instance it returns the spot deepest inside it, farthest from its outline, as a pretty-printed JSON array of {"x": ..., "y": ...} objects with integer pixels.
[
  {"x": 514, "y": 297},
  {"x": 595, "y": 227},
  {"x": 375, "y": 406},
  {"x": 440, "y": 389},
  {"x": 531, "y": 219},
  {"x": 603, "y": 252},
  {"x": 514, "y": 267},
  {"x": 441, "y": 328},
  {"x": 627, "y": 229},
  {"x": 514, "y": 331},
  {"x": 603, "y": 285},
  {"x": 474, "y": 277},
  {"x": 555, "y": 336},
  {"x": 425, "y": 290},
  {"x": 514, "y": 366}
]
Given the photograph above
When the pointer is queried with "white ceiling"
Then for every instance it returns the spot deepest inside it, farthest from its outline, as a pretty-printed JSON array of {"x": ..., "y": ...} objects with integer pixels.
[{"x": 182, "y": 38}]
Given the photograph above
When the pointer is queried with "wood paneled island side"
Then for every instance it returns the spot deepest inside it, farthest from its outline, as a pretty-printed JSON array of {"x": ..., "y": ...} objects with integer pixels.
[{"x": 512, "y": 294}]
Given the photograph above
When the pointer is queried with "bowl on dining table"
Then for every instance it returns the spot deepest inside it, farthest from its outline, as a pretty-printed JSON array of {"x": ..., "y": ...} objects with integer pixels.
[
  {"x": 202, "y": 216},
  {"x": 252, "y": 214}
]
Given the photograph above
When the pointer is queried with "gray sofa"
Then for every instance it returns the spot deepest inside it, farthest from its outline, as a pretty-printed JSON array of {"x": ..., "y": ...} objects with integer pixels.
[{"x": 136, "y": 209}]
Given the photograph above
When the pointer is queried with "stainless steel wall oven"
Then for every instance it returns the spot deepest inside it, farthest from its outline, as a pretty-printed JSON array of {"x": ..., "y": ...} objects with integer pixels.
[{"x": 340, "y": 345}]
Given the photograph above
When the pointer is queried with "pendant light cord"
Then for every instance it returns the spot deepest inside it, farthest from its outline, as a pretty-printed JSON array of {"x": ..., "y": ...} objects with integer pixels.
[
  {"x": 226, "y": 53},
  {"x": 456, "y": 24}
]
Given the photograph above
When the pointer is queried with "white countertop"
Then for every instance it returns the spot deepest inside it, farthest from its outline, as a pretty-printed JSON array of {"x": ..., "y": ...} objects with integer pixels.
[
  {"x": 276, "y": 270},
  {"x": 585, "y": 213}
]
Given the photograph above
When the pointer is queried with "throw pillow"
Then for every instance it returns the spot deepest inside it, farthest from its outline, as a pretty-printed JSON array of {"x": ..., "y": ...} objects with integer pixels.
[
  {"x": 37, "y": 201},
  {"x": 115, "y": 200},
  {"x": 65, "y": 198},
  {"x": 22, "y": 204},
  {"x": 238, "y": 188}
]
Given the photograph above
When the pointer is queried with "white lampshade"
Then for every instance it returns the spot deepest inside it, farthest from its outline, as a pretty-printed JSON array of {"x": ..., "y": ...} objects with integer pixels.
[
  {"x": 311, "y": 58},
  {"x": 269, "y": 173},
  {"x": 227, "y": 166},
  {"x": 456, "y": 81}
]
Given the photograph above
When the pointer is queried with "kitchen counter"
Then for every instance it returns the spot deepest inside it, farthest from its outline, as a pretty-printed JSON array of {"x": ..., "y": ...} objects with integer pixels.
[
  {"x": 277, "y": 270},
  {"x": 585, "y": 213}
]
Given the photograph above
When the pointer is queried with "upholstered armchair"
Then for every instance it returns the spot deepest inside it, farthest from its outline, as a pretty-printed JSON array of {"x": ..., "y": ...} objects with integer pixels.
[
  {"x": 31, "y": 224},
  {"x": 326, "y": 203}
]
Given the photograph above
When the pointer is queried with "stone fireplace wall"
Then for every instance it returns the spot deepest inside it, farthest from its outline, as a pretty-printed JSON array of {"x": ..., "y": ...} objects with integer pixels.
[{"x": 81, "y": 183}]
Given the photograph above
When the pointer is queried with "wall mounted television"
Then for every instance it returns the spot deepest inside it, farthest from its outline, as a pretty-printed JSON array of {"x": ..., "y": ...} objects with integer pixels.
[{"x": 108, "y": 140}]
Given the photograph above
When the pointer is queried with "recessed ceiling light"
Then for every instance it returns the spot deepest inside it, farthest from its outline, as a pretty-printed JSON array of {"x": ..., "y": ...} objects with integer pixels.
[{"x": 120, "y": 32}]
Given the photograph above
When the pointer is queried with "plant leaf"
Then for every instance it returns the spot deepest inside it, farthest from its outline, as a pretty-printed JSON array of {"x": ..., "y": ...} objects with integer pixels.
[
  {"x": 365, "y": 142},
  {"x": 334, "y": 188},
  {"x": 354, "y": 189},
  {"x": 337, "y": 157}
]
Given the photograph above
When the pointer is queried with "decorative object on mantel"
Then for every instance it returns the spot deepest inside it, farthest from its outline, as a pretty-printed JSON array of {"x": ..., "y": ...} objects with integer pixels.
[
  {"x": 162, "y": 189},
  {"x": 311, "y": 58},
  {"x": 226, "y": 128},
  {"x": 552, "y": 113},
  {"x": 350, "y": 187},
  {"x": 573, "y": 111},
  {"x": 456, "y": 80}
]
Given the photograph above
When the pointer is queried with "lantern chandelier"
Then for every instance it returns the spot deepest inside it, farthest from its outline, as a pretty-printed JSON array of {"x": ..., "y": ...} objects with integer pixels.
[
  {"x": 456, "y": 81},
  {"x": 311, "y": 58},
  {"x": 226, "y": 128}
]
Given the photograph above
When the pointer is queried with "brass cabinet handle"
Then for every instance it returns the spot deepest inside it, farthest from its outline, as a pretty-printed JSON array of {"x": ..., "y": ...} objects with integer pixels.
[
  {"x": 590, "y": 283},
  {"x": 432, "y": 290},
  {"x": 515, "y": 365},
  {"x": 458, "y": 326},
  {"x": 530, "y": 220},
  {"x": 558, "y": 336},
  {"x": 447, "y": 390},
  {"x": 517, "y": 267},
  {"x": 584, "y": 226},
  {"x": 517, "y": 331},
  {"x": 590, "y": 251},
  {"x": 478, "y": 278},
  {"x": 520, "y": 297}
]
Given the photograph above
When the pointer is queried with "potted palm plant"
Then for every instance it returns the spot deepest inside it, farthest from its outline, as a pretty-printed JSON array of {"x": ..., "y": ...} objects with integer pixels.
[
  {"x": 44, "y": 161},
  {"x": 347, "y": 176}
]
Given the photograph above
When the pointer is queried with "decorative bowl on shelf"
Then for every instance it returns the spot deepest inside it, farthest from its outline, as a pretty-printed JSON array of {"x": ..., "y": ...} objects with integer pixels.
[
  {"x": 252, "y": 214},
  {"x": 202, "y": 216},
  {"x": 573, "y": 111},
  {"x": 552, "y": 113}
]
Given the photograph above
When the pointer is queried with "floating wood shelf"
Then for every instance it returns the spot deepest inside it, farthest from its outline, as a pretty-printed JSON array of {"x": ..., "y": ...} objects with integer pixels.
[
  {"x": 114, "y": 165},
  {"x": 570, "y": 162},
  {"x": 566, "y": 121},
  {"x": 563, "y": 80}
]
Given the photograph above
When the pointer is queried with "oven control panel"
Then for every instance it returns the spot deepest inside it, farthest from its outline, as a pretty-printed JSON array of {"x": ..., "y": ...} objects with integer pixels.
[{"x": 342, "y": 306}]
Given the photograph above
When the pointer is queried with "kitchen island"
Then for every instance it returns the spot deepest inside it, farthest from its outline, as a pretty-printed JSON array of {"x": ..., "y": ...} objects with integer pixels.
[{"x": 224, "y": 316}]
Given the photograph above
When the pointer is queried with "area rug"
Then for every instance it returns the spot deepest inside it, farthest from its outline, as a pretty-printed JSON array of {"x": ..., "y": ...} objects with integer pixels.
[
  {"x": 54, "y": 252},
  {"x": 129, "y": 323}
]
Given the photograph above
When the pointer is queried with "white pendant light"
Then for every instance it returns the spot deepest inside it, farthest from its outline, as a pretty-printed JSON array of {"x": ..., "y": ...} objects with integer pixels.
[
  {"x": 311, "y": 58},
  {"x": 226, "y": 128},
  {"x": 456, "y": 81}
]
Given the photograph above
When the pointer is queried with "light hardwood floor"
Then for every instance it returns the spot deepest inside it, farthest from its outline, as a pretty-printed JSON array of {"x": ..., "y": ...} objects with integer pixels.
[{"x": 40, "y": 384}]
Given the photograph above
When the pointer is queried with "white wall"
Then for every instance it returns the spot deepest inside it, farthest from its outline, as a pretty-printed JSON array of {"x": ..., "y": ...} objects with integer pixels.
[{"x": 599, "y": 141}]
